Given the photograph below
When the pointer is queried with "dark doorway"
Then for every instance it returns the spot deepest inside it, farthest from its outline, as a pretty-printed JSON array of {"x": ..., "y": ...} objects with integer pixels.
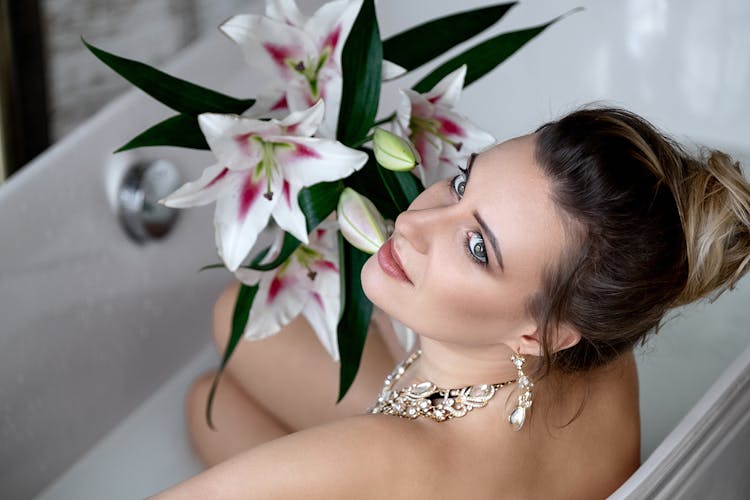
[{"x": 23, "y": 93}]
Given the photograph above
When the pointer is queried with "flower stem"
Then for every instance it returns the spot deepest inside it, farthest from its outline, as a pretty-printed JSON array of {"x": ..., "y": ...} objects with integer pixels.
[
  {"x": 363, "y": 141},
  {"x": 384, "y": 120}
]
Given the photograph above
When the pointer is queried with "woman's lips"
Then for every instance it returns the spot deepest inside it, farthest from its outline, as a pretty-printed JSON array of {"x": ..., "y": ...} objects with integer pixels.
[{"x": 390, "y": 264}]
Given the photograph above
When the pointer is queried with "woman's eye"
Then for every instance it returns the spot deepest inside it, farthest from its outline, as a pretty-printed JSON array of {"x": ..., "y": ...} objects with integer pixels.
[
  {"x": 459, "y": 184},
  {"x": 476, "y": 249}
]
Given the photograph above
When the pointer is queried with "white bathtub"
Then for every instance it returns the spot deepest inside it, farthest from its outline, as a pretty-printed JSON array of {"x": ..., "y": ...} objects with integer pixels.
[{"x": 100, "y": 336}]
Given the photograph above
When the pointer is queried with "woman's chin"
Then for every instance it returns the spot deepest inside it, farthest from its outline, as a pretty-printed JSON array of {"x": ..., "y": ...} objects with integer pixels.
[{"x": 375, "y": 285}]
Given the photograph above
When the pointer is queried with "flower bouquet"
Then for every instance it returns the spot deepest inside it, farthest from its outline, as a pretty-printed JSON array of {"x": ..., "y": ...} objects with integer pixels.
[{"x": 311, "y": 145}]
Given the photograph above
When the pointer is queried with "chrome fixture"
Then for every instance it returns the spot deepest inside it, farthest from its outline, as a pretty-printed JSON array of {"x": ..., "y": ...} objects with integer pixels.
[{"x": 142, "y": 186}]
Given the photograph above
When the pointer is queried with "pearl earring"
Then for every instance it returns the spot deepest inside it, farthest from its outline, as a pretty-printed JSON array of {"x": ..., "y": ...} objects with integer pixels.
[{"x": 518, "y": 416}]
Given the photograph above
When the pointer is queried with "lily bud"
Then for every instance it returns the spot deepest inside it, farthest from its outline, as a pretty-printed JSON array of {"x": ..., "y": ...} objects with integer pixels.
[
  {"x": 360, "y": 222},
  {"x": 393, "y": 152}
]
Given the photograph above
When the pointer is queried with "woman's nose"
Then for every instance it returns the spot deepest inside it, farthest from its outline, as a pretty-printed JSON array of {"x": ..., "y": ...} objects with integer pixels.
[{"x": 418, "y": 226}]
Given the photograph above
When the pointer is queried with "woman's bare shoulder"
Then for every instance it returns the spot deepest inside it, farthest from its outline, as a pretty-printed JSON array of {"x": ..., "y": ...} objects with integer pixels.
[{"x": 347, "y": 458}]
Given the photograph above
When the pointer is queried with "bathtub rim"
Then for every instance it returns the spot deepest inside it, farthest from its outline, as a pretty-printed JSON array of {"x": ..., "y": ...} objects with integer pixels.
[{"x": 719, "y": 412}]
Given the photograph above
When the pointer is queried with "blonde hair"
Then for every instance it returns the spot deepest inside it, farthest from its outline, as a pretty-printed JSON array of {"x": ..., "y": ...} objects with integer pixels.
[{"x": 713, "y": 199}]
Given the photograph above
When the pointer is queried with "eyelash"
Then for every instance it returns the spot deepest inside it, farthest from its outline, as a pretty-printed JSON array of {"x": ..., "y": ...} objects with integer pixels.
[{"x": 468, "y": 245}]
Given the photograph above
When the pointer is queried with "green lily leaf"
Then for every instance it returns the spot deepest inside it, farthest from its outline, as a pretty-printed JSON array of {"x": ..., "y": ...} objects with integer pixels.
[
  {"x": 317, "y": 202},
  {"x": 212, "y": 266},
  {"x": 355, "y": 318},
  {"x": 361, "y": 62},
  {"x": 485, "y": 56},
  {"x": 403, "y": 187},
  {"x": 181, "y": 131},
  {"x": 176, "y": 93},
  {"x": 408, "y": 50},
  {"x": 242, "y": 307}
]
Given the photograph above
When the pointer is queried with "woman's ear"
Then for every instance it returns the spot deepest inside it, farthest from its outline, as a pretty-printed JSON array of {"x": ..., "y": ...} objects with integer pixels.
[{"x": 565, "y": 337}]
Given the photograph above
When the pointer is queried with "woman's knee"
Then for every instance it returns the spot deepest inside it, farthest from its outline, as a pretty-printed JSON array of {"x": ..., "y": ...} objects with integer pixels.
[
  {"x": 238, "y": 422},
  {"x": 196, "y": 400}
]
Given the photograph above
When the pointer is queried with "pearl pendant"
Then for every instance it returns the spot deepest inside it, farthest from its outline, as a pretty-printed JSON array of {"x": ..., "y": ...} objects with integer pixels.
[{"x": 517, "y": 418}]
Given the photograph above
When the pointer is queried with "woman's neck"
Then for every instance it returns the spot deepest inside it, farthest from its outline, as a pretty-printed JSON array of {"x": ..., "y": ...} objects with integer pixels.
[{"x": 451, "y": 365}]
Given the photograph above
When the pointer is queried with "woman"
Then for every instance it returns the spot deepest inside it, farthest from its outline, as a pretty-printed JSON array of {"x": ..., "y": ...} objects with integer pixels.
[{"x": 564, "y": 248}]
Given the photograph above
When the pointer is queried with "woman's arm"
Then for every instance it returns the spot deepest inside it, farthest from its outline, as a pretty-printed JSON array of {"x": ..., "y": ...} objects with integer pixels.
[{"x": 344, "y": 459}]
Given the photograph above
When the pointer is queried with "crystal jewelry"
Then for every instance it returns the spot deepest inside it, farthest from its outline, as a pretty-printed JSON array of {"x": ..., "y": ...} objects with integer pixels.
[
  {"x": 518, "y": 416},
  {"x": 425, "y": 399}
]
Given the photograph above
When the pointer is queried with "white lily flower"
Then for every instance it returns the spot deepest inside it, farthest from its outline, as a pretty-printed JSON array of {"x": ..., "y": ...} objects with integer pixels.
[
  {"x": 442, "y": 137},
  {"x": 360, "y": 222},
  {"x": 262, "y": 165},
  {"x": 300, "y": 57},
  {"x": 306, "y": 283}
]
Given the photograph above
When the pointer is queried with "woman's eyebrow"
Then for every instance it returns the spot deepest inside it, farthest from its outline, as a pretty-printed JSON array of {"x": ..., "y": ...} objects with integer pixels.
[{"x": 491, "y": 236}]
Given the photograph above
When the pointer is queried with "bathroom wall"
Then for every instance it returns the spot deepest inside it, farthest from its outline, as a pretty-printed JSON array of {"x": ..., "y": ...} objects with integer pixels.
[{"x": 152, "y": 31}]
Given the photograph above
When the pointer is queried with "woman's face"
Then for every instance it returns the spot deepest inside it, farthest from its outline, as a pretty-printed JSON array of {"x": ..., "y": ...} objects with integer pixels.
[{"x": 469, "y": 251}]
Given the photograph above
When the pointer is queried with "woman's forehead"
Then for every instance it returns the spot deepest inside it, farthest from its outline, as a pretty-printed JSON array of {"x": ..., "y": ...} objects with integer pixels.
[{"x": 513, "y": 196}]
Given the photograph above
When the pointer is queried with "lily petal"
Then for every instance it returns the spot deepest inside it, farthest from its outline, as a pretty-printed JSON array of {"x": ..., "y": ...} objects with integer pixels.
[
  {"x": 391, "y": 70},
  {"x": 322, "y": 312},
  {"x": 421, "y": 107},
  {"x": 279, "y": 300},
  {"x": 299, "y": 95},
  {"x": 429, "y": 148},
  {"x": 312, "y": 160},
  {"x": 305, "y": 122},
  {"x": 285, "y": 11},
  {"x": 203, "y": 191},
  {"x": 271, "y": 103},
  {"x": 331, "y": 24},
  {"x": 307, "y": 283},
  {"x": 330, "y": 84},
  {"x": 287, "y": 213},
  {"x": 241, "y": 215},
  {"x": 270, "y": 46},
  {"x": 447, "y": 91},
  {"x": 461, "y": 131},
  {"x": 403, "y": 115},
  {"x": 230, "y": 138},
  {"x": 444, "y": 168}
]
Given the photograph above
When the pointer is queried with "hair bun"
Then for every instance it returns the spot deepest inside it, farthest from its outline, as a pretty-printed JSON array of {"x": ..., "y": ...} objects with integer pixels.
[{"x": 713, "y": 199}]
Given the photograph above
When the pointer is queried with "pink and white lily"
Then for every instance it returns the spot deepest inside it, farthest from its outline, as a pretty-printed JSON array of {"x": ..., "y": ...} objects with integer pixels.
[
  {"x": 261, "y": 167},
  {"x": 306, "y": 283},
  {"x": 442, "y": 137},
  {"x": 300, "y": 57}
]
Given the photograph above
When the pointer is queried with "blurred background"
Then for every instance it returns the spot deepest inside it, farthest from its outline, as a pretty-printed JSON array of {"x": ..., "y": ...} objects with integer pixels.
[
  {"x": 49, "y": 82},
  {"x": 101, "y": 335}
]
